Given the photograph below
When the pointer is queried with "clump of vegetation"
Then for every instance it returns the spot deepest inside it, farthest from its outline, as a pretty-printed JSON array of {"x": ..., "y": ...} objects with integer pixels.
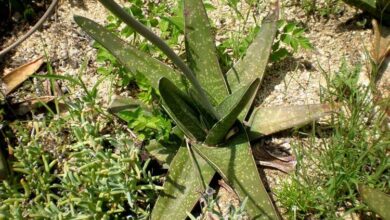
[
  {"x": 353, "y": 152},
  {"x": 325, "y": 8},
  {"x": 24, "y": 8},
  {"x": 207, "y": 108},
  {"x": 76, "y": 165}
]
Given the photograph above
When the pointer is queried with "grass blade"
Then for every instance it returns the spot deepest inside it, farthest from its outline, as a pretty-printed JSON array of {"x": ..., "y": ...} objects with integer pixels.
[
  {"x": 201, "y": 51},
  {"x": 229, "y": 109},
  {"x": 235, "y": 163},
  {"x": 182, "y": 188}
]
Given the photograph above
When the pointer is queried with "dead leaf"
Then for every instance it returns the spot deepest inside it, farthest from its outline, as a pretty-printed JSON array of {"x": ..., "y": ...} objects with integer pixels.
[
  {"x": 283, "y": 163},
  {"x": 381, "y": 43},
  {"x": 19, "y": 75},
  {"x": 52, "y": 87},
  {"x": 381, "y": 55},
  {"x": 25, "y": 106}
]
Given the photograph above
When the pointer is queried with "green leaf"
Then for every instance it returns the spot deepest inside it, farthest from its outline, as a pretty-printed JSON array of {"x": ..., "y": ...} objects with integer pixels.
[
  {"x": 206, "y": 117},
  {"x": 177, "y": 21},
  {"x": 164, "y": 153},
  {"x": 120, "y": 103},
  {"x": 253, "y": 65},
  {"x": 158, "y": 42},
  {"x": 230, "y": 108},
  {"x": 265, "y": 121},
  {"x": 235, "y": 163},
  {"x": 182, "y": 188},
  {"x": 133, "y": 59},
  {"x": 255, "y": 61},
  {"x": 181, "y": 110},
  {"x": 376, "y": 200},
  {"x": 201, "y": 50},
  {"x": 279, "y": 54}
]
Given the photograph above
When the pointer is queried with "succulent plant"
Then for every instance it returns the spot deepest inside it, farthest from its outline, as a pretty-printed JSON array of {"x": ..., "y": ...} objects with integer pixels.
[{"x": 209, "y": 107}]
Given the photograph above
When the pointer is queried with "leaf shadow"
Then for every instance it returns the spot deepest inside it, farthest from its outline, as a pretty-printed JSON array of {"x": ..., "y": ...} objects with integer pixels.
[
  {"x": 78, "y": 3},
  {"x": 276, "y": 73},
  {"x": 181, "y": 188}
]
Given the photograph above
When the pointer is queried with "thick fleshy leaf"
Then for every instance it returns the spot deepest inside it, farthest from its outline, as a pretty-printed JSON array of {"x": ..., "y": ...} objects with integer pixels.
[
  {"x": 235, "y": 163},
  {"x": 376, "y": 200},
  {"x": 253, "y": 64},
  {"x": 201, "y": 51},
  {"x": 265, "y": 121},
  {"x": 163, "y": 153},
  {"x": 206, "y": 117},
  {"x": 133, "y": 59},
  {"x": 121, "y": 103},
  {"x": 182, "y": 188},
  {"x": 122, "y": 14},
  {"x": 181, "y": 110},
  {"x": 229, "y": 109}
]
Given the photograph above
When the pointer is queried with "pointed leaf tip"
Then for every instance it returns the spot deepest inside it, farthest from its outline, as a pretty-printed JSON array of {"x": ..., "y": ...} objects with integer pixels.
[
  {"x": 230, "y": 109},
  {"x": 134, "y": 60}
]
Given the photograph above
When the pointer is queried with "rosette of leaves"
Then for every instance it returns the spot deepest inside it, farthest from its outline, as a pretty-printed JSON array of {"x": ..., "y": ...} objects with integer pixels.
[{"x": 209, "y": 107}]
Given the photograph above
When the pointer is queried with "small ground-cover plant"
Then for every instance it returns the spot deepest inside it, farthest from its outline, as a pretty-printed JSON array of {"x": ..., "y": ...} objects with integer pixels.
[
  {"x": 74, "y": 165},
  {"x": 208, "y": 109},
  {"x": 323, "y": 8},
  {"x": 329, "y": 171},
  {"x": 24, "y": 8}
]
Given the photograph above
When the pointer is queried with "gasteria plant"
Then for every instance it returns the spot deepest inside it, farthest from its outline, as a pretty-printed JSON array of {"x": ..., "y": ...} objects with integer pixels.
[{"x": 209, "y": 107}]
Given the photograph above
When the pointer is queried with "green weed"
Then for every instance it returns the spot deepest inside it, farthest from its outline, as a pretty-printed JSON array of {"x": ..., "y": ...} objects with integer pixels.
[
  {"x": 325, "y": 8},
  {"x": 322, "y": 9},
  {"x": 290, "y": 39},
  {"x": 353, "y": 152}
]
